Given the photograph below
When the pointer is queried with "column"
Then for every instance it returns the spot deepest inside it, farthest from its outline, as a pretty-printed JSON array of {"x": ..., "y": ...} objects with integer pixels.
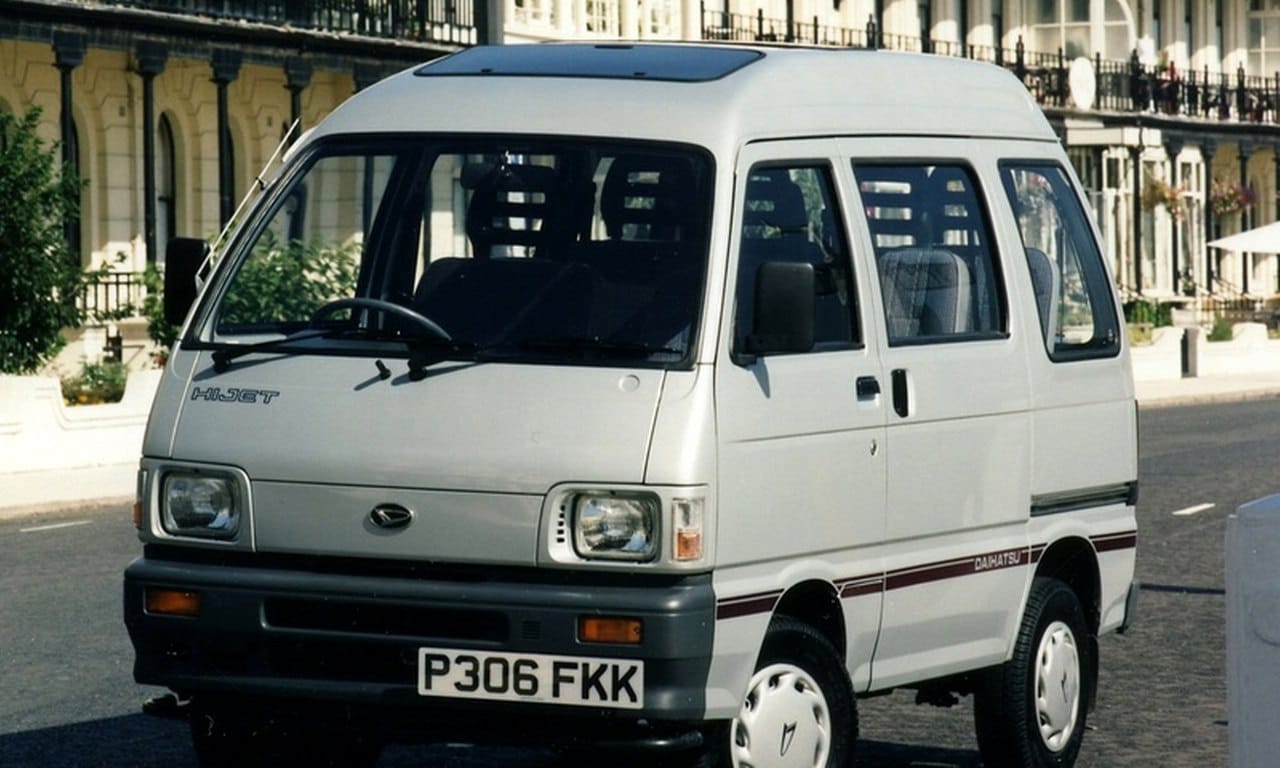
[
  {"x": 68, "y": 53},
  {"x": 226, "y": 68},
  {"x": 1173, "y": 148},
  {"x": 151, "y": 56},
  {"x": 1275, "y": 154},
  {"x": 1135, "y": 160},
  {"x": 297, "y": 76},
  {"x": 1208, "y": 150},
  {"x": 1246, "y": 217}
]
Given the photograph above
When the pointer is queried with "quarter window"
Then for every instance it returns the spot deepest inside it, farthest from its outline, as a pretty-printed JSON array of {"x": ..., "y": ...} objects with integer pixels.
[
  {"x": 938, "y": 275},
  {"x": 1072, "y": 288}
]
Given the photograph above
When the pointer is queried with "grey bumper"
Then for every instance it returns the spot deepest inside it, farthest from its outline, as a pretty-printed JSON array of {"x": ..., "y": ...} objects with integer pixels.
[{"x": 282, "y": 631}]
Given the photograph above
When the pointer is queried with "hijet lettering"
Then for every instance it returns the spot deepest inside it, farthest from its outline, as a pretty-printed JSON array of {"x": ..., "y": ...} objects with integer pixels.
[{"x": 234, "y": 395}]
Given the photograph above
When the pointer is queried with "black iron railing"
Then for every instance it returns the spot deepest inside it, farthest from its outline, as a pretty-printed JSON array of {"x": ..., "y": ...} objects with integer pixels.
[
  {"x": 112, "y": 296},
  {"x": 1121, "y": 86},
  {"x": 429, "y": 21}
]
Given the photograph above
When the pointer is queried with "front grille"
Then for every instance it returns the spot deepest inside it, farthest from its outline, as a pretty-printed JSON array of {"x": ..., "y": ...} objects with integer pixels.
[{"x": 385, "y": 619}]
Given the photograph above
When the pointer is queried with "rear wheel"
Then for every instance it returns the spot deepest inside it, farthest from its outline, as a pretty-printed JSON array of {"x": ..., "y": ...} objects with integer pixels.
[
  {"x": 799, "y": 710},
  {"x": 1030, "y": 712}
]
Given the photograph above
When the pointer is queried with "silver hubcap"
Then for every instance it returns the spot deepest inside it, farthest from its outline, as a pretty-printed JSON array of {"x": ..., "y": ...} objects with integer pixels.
[
  {"x": 1057, "y": 685},
  {"x": 784, "y": 721}
]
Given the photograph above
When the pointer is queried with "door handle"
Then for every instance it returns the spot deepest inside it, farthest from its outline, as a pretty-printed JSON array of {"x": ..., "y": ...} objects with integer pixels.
[
  {"x": 868, "y": 387},
  {"x": 901, "y": 404}
]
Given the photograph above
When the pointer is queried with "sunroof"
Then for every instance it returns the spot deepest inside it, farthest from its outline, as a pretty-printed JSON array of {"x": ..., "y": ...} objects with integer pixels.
[{"x": 679, "y": 63}]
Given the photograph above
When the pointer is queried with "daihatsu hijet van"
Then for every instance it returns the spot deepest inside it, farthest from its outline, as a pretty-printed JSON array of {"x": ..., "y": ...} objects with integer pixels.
[{"x": 660, "y": 398}]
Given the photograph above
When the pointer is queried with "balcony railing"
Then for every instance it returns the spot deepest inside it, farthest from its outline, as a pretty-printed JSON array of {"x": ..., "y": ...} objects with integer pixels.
[
  {"x": 428, "y": 21},
  {"x": 112, "y": 296},
  {"x": 1121, "y": 86}
]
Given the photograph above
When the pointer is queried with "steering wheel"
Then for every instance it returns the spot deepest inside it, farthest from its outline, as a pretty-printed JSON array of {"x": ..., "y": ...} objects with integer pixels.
[{"x": 387, "y": 307}]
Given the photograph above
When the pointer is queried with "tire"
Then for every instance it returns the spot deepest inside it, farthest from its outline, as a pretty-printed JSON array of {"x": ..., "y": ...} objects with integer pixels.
[
  {"x": 226, "y": 737},
  {"x": 1030, "y": 712},
  {"x": 799, "y": 709}
]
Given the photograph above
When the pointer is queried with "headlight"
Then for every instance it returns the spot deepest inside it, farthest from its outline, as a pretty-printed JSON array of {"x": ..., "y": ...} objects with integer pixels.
[
  {"x": 616, "y": 526},
  {"x": 203, "y": 505}
]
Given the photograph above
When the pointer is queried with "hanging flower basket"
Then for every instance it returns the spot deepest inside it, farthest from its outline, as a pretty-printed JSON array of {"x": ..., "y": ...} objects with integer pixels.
[
  {"x": 1228, "y": 197},
  {"x": 1158, "y": 194}
]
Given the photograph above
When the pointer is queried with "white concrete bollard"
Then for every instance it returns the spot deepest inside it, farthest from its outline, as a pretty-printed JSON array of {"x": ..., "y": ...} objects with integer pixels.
[{"x": 1253, "y": 633}]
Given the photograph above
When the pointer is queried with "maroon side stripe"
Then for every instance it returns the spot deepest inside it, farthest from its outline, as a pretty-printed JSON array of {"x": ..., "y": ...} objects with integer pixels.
[
  {"x": 902, "y": 578},
  {"x": 733, "y": 607},
  {"x": 1115, "y": 541}
]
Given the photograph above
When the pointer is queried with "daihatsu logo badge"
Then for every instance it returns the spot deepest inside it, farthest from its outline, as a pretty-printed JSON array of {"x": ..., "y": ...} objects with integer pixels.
[{"x": 390, "y": 517}]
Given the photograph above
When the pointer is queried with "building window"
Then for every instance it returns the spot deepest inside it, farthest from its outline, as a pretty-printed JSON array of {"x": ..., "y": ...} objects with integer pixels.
[
  {"x": 533, "y": 13},
  {"x": 662, "y": 18},
  {"x": 602, "y": 17},
  {"x": 1264, "y": 36},
  {"x": 1083, "y": 27}
]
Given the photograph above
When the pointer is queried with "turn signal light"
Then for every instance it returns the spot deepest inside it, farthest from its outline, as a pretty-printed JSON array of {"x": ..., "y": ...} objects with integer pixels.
[
  {"x": 607, "y": 629},
  {"x": 173, "y": 602}
]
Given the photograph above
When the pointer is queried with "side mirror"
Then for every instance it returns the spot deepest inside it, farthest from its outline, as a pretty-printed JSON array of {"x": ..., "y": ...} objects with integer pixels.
[
  {"x": 182, "y": 260},
  {"x": 784, "y": 309}
]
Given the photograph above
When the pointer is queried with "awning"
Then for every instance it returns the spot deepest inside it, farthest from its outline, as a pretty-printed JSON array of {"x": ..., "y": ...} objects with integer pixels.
[{"x": 1264, "y": 239}]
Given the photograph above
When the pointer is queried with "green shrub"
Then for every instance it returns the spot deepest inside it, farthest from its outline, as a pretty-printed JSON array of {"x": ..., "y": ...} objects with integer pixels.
[
  {"x": 1149, "y": 312},
  {"x": 1223, "y": 330},
  {"x": 40, "y": 279},
  {"x": 96, "y": 383}
]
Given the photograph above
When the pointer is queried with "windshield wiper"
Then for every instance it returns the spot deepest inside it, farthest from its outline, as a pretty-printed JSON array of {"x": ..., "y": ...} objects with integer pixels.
[
  {"x": 427, "y": 351},
  {"x": 606, "y": 346},
  {"x": 222, "y": 357}
]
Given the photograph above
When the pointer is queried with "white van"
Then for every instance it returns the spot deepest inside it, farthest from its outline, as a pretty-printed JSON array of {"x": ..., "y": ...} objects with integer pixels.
[{"x": 660, "y": 398}]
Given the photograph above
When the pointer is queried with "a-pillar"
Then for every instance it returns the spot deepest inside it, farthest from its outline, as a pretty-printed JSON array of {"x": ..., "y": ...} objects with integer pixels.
[
  {"x": 226, "y": 68},
  {"x": 68, "y": 53},
  {"x": 151, "y": 57}
]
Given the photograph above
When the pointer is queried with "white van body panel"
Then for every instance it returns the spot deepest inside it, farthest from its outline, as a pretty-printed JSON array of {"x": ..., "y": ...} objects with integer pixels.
[{"x": 486, "y": 436}]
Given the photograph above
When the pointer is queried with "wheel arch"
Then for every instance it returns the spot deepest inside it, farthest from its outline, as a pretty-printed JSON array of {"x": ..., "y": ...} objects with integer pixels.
[
  {"x": 817, "y": 604},
  {"x": 1074, "y": 562}
]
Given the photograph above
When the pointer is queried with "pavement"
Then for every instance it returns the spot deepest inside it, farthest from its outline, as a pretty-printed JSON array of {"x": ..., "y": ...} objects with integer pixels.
[{"x": 25, "y": 494}]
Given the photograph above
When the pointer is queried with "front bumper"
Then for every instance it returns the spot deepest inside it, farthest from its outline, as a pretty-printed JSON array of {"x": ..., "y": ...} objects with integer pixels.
[{"x": 307, "y": 632}]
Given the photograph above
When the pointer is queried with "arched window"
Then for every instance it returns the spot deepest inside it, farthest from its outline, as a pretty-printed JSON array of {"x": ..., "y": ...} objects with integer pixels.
[
  {"x": 1082, "y": 27},
  {"x": 166, "y": 189}
]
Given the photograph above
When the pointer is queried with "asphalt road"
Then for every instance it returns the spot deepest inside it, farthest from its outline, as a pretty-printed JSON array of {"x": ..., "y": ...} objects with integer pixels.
[{"x": 67, "y": 697}]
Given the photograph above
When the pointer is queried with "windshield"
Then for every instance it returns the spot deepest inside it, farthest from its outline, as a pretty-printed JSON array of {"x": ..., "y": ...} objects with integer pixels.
[{"x": 562, "y": 251}]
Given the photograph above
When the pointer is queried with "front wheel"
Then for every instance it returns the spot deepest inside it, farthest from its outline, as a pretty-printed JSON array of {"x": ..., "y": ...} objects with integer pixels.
[
  {"x": 799, "y": 710},
  {"x": 1030, "y": 712}
]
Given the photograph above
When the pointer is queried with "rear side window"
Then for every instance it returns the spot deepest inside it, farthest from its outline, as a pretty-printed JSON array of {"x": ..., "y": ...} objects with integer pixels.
[
  {"x": 1073, "y": 291},
  {"x": 938, "y": 274}
]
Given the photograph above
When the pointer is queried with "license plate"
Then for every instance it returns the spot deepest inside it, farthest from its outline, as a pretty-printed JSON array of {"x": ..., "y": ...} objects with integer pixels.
[{"x": 531, "y": 677}]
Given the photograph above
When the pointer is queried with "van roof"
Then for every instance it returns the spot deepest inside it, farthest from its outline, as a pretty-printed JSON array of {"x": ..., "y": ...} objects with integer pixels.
[{"x": 717, "y": 96}]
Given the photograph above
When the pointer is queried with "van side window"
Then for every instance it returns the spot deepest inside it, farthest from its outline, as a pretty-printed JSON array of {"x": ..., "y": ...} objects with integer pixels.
[
  {"x": 790, "y": 215},
  {"x": 938, "y": 276},
  {"x": 1072, "y": 289}
]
